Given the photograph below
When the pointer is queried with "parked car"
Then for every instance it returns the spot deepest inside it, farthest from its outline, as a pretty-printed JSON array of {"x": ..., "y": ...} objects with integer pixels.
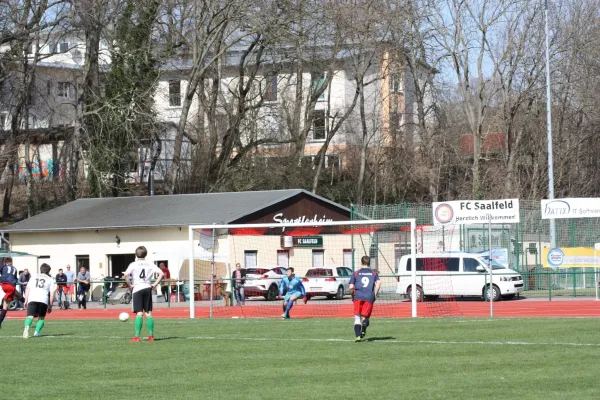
[
  {"x": 332, "y": 282},
  {"x": 263, "y": 281},
  {"x": 457, "y": 274}
]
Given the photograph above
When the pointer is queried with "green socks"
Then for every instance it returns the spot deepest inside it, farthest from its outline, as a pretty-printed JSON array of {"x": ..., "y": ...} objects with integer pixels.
[
  {"x": 150, "y": 322},
  {"x": 28, "y": 322},
  {"x": 39, "y": 325},
  {"x": 139, "y": 321}
]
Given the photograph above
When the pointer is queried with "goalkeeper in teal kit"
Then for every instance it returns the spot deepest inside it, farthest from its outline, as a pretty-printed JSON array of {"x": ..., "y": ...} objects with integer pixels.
[{"x": 294, "y": 289}]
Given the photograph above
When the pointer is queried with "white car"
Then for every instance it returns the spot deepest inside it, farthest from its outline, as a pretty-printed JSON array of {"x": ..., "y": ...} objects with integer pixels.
[
  {"x": 263, "y": 281},
  {"x": 457, "y": 274},
  {"x": 332, "y": 282}
]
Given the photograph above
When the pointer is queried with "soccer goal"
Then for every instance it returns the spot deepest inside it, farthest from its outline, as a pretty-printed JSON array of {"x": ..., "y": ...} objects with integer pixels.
[{"x": 323, "y": 255}]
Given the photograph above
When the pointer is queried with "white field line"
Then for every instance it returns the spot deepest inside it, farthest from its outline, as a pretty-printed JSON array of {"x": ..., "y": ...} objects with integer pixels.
[{"x": 330, "y": 340}]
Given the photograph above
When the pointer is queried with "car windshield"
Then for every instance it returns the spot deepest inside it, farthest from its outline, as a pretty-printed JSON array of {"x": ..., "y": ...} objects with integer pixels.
[
  {"x": 319, "y": 272},
  {"x": 256, "y": 271},
  {"x": 495, "y": 265}
]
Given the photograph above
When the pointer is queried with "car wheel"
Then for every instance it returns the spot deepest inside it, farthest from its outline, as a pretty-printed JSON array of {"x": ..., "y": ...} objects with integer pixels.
[
  {"x": 494, "y": 293},
  {"x": 419, "y": 293},
  {"x": 126, "y": 298},
  {"x": 340, "y": 293},
  {"x": 272, "y": 293}
]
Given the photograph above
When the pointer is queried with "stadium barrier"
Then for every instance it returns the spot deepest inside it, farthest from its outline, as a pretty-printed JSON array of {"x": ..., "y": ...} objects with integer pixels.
[{"x": 539, "y": 284}]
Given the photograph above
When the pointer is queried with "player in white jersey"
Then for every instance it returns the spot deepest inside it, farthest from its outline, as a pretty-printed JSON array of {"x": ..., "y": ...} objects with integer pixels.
[
  {"x": 39, "y": 297},
  {"x": 139, "y": 278}
]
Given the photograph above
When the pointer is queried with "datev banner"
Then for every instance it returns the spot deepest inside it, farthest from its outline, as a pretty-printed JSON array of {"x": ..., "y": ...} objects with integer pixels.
[
  {"x": 568, "y": 257},
  {"x": 476, "y": 212},
  {"x": 571, "y": 208}
]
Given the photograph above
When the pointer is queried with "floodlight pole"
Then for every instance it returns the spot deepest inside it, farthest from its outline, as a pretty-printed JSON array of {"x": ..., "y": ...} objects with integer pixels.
[
  {"x": 490, "y": 291},
  {"x": 549, "y": 131}
]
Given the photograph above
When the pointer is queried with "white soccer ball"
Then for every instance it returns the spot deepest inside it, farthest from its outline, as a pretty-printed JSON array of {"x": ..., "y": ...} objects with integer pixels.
[{"x": 124, "y": 316}]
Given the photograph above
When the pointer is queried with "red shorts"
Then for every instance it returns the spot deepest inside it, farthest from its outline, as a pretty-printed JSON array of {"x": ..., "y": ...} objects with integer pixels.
[
  {"x": 363, "y": 308},
  {"x": 68, "y": 289},
  {"x": 9, "y": 291}
]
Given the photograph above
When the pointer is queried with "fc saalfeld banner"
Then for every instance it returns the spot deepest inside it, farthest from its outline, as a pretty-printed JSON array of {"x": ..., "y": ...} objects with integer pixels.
[{"x": 465, "y": 212}]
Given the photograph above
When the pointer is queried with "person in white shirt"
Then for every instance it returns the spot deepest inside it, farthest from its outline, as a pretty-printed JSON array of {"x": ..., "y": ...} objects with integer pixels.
[
  {"x": 139, "y": 279},
  {"x": 39, "y": 297}
]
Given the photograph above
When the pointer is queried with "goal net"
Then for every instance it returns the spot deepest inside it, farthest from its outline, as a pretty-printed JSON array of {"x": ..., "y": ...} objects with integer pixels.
[
  {"x": 434, "y": 273},
  {"x": 237, "y": 269}
]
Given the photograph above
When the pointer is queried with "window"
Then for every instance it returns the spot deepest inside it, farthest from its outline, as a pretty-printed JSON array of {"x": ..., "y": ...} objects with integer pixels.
[
  {"x": 444, "y": 264},
  {"x": 319, "y": 272},
  {"x": 470, "y": 265},
  {"x": 319, "y": 125},
  {"x": 318, "y": 258},
  {"x": 271, "y": 90},
  {"x": 318, "y": 81},
  {"x": 332, "y": 161},
  {"x": 396, "y": 82},
  {"x": 250, "y": 258},
  {"x": 49, "y": 87},
  {"x": 175, "y": 93},
  {"x": 63, "y": 47},
  {"x": 82, "y": 261},
  {"x": 3, "y": 119},
  {"x": 395, "y": 122},
  {"x": 64, "y": 90},
  {"x": 51, "y": 48},
  {"x": 348, "y": 258},
  {"x": 342, "y": 272},
  {"x": 283, "y": 258}
]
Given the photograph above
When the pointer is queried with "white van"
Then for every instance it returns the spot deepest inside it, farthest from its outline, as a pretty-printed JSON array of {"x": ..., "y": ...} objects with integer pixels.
[{"x": 456, "y": 274}]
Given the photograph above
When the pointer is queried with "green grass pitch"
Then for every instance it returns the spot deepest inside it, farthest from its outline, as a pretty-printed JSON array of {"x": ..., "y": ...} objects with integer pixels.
[{"x": 305, "y": 359}]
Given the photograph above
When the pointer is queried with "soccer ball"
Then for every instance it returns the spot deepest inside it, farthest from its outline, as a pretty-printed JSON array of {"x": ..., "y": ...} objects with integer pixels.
[{"x": 124, "y": 316}]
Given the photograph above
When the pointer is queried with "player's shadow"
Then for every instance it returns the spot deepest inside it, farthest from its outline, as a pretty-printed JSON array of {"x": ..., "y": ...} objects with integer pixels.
[
  {"x": 379, "y": 339},
  {"x": 168, "y": 338}
]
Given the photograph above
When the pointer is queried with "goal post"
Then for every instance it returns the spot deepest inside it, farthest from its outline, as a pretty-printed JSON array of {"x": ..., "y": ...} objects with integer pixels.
[{"x": 323, "y": 254}]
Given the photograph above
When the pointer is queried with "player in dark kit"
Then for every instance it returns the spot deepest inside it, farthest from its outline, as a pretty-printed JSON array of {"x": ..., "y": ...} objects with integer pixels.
[
  {"x": 8, "y": 281},
  {"x": 364, "y": 286}
]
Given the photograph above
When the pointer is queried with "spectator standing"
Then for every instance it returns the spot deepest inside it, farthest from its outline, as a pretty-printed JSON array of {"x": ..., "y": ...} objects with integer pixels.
[
  {"x": 164, "y": 288},
  {"x": 239, "y": 279},
  {"x": 68, "y": 290},
  {"x": 61, "y": 286},
  {"x": 83, "y": 286},
  {"x": 24, "y": 278}
]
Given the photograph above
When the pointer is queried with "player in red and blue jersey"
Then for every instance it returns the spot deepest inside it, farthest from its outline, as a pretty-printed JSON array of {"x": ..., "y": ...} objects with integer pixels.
[
  {"x": 8, "y": 281},
  {"x": 364, "y": 286}
]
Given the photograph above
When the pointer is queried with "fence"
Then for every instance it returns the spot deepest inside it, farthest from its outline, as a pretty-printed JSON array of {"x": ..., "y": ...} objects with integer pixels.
[{"x": 524, "y": 242}]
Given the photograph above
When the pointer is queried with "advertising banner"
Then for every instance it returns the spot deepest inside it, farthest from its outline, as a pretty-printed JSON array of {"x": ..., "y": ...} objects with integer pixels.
[{"x": 464, "y": 212}]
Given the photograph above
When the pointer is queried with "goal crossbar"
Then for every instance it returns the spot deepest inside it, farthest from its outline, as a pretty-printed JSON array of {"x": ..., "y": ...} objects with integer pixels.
[{"x": 215, "y": 227}]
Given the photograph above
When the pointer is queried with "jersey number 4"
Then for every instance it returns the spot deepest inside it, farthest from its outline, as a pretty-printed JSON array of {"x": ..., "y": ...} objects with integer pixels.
[
  {"x": 143, "y": 274},
  {"x": 39, "y": 283}
]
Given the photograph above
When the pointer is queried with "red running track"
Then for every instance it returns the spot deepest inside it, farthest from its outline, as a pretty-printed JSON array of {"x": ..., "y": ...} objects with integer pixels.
[{"x": 513, "y": 309}]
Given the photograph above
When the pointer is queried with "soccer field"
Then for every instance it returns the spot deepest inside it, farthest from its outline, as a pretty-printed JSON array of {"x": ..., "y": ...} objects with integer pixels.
[{"x": 306, "y": 359}]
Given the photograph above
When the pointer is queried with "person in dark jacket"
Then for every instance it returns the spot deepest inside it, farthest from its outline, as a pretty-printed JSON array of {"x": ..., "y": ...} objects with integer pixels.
[
  {"x": 239, "y": 278},
  {"x": 61, "y": 285}
]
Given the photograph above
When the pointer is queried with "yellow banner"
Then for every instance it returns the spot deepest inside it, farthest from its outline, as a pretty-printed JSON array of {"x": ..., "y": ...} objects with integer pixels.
[{"x": 570, "y": 257}]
